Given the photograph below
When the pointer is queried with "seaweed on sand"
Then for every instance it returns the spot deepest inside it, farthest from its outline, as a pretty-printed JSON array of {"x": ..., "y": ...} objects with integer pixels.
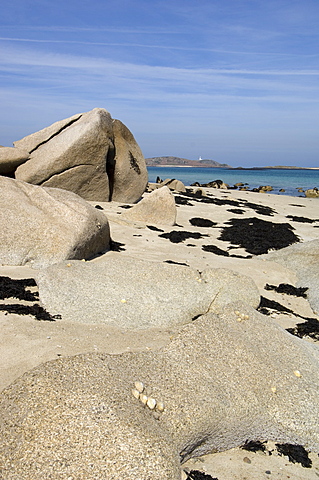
[
  {"x": 288, "y": 289},
  {"x": 179, "y": 236},
  {"x": 14, "y": 288},
  {"x": 258, "y": 236},
  {"x": 295, "y": 453}
]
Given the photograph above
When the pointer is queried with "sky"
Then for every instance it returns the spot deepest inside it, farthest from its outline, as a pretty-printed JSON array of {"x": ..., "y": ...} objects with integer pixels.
[{"x": 236, "y": 81}]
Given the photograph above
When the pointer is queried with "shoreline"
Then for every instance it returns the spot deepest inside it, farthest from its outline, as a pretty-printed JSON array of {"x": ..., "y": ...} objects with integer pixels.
[{"x": 232, "y": 168}]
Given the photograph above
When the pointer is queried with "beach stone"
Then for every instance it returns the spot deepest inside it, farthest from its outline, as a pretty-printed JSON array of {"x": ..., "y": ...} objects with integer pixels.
[
  {"x": 11, "y": 158},
  {"x": 89, "y": 154},
  {"x": 303, "y": 260},
  {"x": 77, "y": 417},
  {"x": 174, "y": 184},
  {"x": 129, "y": 172},
  {"x": 134, "y": 294},
  {"x": 41, "y": 226},
  {"x": 157, "y": 207},
  {"x": 312, "y": 193}
]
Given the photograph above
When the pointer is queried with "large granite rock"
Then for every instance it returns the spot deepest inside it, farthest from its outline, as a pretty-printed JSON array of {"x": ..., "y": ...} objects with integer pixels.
[
  {"x": 89, "y": 154},
  {"x": 134, "y": 294},
  {"x": 129, "y": 172},
  {"x": 156, "y": 208},
  {"x": 303, "y": 259},
  {"x": 11, "y": 158},
  {"x": 41, "y": 226},
  {"x": 221, "y": 381}
]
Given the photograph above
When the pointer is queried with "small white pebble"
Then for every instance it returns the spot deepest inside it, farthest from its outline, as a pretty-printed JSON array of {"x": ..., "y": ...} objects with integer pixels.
[
  {"x": 136, "y": 393},
  {"x": 123, "y": 300},
  {"x": 242, "y": 315},
  {"x": 239, "y": 319},
  {"x": 68, "y": 264},
  {"x": 237, "y": 312},
  {"x": 139, "y": 386},
  {"x": 274, "y": 389},
  {"x": 143, "y": 398},
  {"x": 297, "y": 373},
  {"x": 83, "y": 260},
  {"x": 246, "y": 317},
  {"x": 160, "y": 406},
  {"x": 151, "y": 403}
]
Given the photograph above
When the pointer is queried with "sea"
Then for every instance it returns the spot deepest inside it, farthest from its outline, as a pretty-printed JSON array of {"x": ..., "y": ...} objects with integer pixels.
[{"x": 290, "y": 180}]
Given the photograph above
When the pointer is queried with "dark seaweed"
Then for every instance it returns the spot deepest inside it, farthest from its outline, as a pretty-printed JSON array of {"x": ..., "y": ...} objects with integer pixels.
[
  {"x": 309, "y": 328},
  {"x": 117, "y": 246},
  {"x": 182, "y": 201},
  {"x": 215, "y": 250},
  {"x": 176, "y": 263},
  {"x": 134, "y": 163},
  {"x": 201, "y": 222},
  {"x": 300, "y": 219},
  {"x": 266, "y": 305},
  {"x": 155, "y": 229},
  {"x": 197, "y": 475},
  {"x": 12, "y": 288},
  {"x": 295, "y": 453},
  {"x": 178, "y": 237},
  {"x": 35, "y": 310},
  {"x": 126, "y": 206},
  {"x": 258, "y": 236},
  {"x": 99, "y": 207},
  {"x": 254, "y": 446},
  {"x": 239, "y": 211},
  {"x": 260, "y": 209},
  {"x": 288, "y": 289}
]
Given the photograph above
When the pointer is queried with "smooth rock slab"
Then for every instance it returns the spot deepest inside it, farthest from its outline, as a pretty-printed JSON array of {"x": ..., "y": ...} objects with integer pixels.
[
  {"x": 11, "y": 158},
  {"x": 130, "y": 293},
  {"x": 222, "y": 381},
  {"x": 303, "y": 259},
  {"x": 40, "y": 226}
]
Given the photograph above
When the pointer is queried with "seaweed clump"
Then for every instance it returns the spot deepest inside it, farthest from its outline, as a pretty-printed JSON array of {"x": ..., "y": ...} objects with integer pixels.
[
  {"x": 295, "y": 453},
  {"x": 258, "y": 236}
]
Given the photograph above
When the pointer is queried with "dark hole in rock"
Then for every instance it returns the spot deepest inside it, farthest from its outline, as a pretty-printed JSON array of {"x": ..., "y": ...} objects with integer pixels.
[
  {"x": 125, "y": 206},
  {"x": 177, "y": 237},
  {"x": 239, "y": 211},
  {"x": 152, "y": 227},
  {"x": 295, "y": 453},
  {"x": 309, "y": 328},
  {"x": 258, "y": 236},
  {"x": 300, "y": 219},
  {"x": 197, "y": 475},
  {"x": 176, "y": 263},
  {"x": 201, "y": 222},
  {"x": 117, "y": 246},
  {"x": 215, "y": 250},
  {"x": 14, "y": 288},
  {"x": 267, "y": 306},
  {"x": 254, "y": 446},
  {"x": 35, "y": 310},
  {"x": 288, "y": 289},
  {"x": 99, "y": 207}
]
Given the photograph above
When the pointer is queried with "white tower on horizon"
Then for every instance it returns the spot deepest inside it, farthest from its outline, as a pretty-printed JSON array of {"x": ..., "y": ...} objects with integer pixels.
[{"x": 200, "y": 158}]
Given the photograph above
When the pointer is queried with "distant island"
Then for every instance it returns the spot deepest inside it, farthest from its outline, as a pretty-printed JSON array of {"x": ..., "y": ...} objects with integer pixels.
[{"x": 183, "y": 162}]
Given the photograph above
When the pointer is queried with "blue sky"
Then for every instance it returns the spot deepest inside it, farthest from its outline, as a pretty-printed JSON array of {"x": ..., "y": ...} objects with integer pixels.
[{"x": 236, "y": 81}]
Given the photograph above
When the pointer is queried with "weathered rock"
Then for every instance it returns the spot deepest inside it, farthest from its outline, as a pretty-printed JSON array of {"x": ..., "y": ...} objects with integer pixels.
[
  {"x": 129, "y": 170},
  {"x": 312, "y": 193},
  {"x": 35, "y": 140},
  {"x": 11, "y": 158},
  {"x": 265, "y": 188},
  {"x": 41, "y": 226},
  {"x": 89, "y": 154},
  {"x": 75, "y": 158},
  {"x": 157, "y": 207},
  {"x": 134, "y": 294},
  {"x": 303, "y": 259},
  {"x": 222, "y": 382},
  {"x": 174, "y": 184}
]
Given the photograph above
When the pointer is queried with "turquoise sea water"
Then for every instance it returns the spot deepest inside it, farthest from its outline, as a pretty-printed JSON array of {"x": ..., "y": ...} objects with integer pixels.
[{"x": 290, "y": 180}]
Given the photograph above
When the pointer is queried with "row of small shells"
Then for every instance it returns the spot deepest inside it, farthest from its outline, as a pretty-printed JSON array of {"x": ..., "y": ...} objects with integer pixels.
[{"x": 139, "y": 393}]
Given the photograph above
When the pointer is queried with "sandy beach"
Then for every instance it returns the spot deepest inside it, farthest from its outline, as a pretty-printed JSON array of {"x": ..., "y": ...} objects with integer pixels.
[{"x": 26, "y": 343}]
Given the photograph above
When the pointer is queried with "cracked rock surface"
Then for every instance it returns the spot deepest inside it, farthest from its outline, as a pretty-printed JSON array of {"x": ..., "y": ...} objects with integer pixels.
[{"x": 89, "y": 154}]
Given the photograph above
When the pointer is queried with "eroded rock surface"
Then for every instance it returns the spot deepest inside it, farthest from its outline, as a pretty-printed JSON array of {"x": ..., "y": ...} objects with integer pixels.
[
  {"x": 41, "y": 226},
  {"x": 89, "y": 154},
  {"x": 220, "y": 382}
]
